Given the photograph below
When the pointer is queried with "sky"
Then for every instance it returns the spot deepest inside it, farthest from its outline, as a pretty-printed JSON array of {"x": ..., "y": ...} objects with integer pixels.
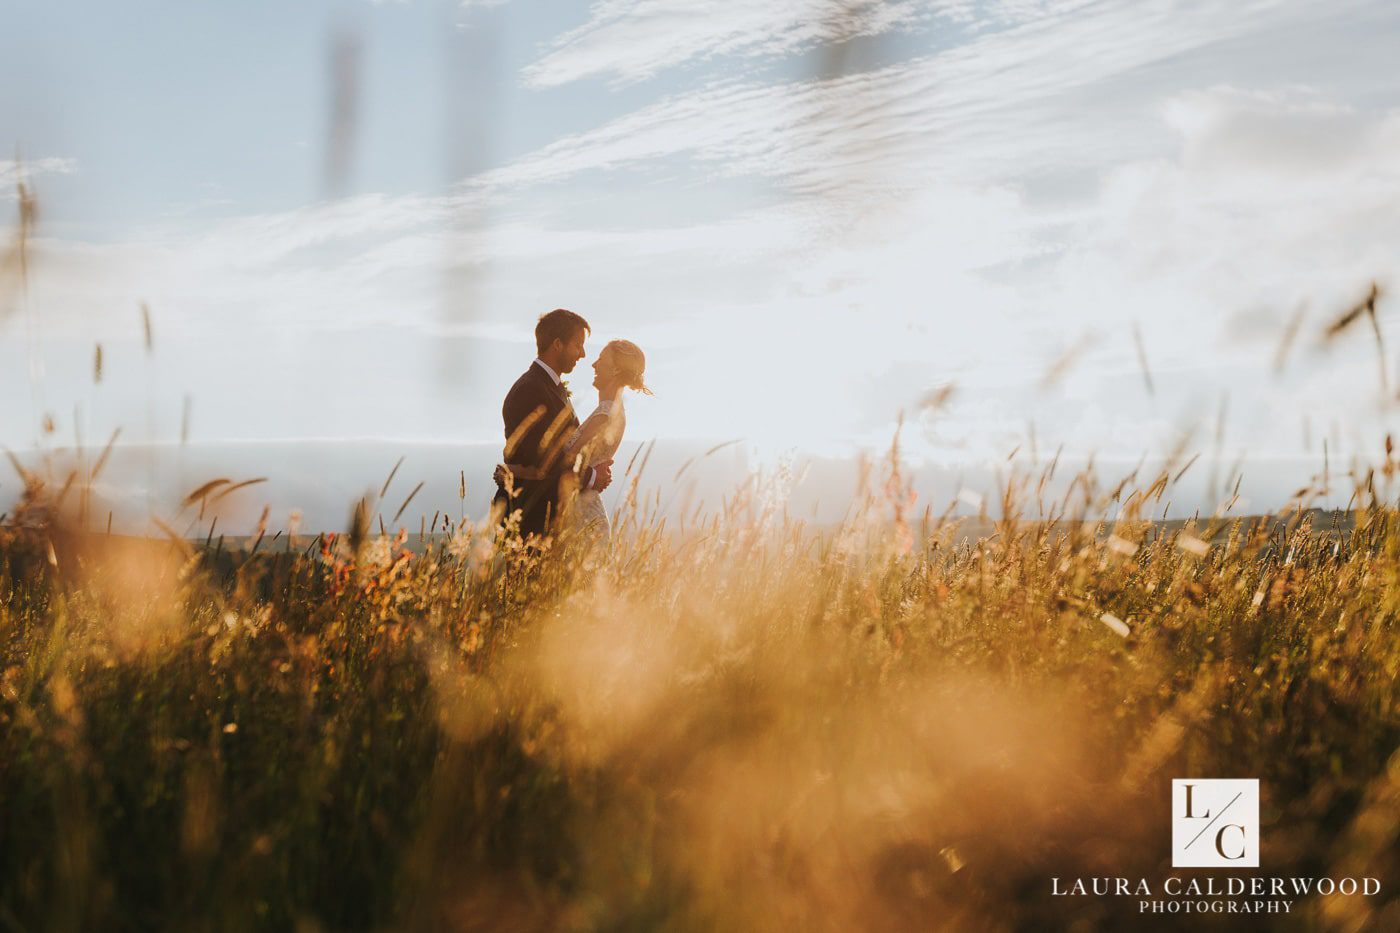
[{"x": 345, "y": 217}]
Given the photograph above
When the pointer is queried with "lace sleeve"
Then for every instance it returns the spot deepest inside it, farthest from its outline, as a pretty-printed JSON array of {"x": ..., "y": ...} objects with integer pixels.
[{"x": 586, "y": 434}]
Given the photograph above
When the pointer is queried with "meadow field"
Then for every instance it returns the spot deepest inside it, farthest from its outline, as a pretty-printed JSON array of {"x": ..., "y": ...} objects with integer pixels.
[{"x": 753, "y": 725}]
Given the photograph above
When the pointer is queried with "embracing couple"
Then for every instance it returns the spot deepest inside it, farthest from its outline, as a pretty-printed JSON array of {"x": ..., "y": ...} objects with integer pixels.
[{"x": 555, "y": 468}]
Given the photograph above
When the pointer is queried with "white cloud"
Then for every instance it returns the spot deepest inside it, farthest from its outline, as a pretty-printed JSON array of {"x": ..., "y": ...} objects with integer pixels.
[
  {"x": 901, "y": 236},
  {"x": 1050, "y": 91},
  {"x": 631, "y": 40},
  {"x": 1272, "y": 198},
  {"x": 634, "y": 39},
  {"x": 13, "y": 172}
]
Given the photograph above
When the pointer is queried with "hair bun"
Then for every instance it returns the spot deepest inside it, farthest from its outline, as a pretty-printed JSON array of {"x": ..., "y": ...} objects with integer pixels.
[{"x": 631, "y": 362}]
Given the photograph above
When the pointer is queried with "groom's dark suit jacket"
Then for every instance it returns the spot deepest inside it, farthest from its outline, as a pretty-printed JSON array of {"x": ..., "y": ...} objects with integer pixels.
[{"x": 538, "y": 423}]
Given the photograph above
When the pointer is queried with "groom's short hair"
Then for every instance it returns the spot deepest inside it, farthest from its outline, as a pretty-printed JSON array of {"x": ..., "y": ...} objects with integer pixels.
[{"x": 559, "y": 324}]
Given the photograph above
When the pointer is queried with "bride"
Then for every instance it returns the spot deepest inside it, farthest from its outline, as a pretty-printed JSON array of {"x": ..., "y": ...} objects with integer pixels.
[{"x": 619, "y": 366}]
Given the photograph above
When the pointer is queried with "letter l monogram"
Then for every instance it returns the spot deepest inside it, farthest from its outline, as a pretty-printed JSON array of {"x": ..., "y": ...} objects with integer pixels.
[{"x": 1189, "y": 815}]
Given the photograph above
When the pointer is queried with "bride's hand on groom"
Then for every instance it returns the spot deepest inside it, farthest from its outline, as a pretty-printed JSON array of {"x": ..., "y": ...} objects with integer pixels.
[{"x": 602, "y": 476}]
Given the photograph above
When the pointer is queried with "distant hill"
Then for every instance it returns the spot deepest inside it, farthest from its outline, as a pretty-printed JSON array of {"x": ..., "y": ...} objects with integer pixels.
[{"x": 322, "y": 479}]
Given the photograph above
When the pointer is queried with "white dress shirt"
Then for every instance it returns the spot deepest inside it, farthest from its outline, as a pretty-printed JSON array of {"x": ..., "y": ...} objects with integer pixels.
[{"x": 553, "y": 376}]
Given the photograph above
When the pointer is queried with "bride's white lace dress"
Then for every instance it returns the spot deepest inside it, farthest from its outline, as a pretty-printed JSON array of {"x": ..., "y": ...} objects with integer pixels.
[{"x": 603, "y": 430}]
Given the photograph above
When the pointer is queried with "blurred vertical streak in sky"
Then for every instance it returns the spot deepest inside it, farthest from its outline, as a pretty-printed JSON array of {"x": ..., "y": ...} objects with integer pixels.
[
  {"x": 14, "y": 280},
  {"x": 849, "y": 192},
  {"x": 833, "y": 60},
  {"x": 833, "y": 54},
  {"x": 471, "y": 71},
  {"x": 14, "y": 262},
  {"x": 344, "y": 61}
]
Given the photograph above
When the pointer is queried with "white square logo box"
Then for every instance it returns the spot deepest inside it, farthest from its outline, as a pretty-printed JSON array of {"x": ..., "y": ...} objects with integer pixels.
[{"x": 1215, "y": 823}]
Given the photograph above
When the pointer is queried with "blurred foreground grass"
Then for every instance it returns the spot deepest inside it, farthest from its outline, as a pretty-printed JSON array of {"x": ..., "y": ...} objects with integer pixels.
[{"x": 748, "y": 726}]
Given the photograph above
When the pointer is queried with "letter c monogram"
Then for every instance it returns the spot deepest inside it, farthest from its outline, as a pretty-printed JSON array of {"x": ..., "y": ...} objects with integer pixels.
[{"x": 1220, "y": 841}]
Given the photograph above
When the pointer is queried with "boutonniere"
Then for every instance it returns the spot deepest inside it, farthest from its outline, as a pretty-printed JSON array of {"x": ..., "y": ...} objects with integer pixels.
[{"x": 564, "y": 387}]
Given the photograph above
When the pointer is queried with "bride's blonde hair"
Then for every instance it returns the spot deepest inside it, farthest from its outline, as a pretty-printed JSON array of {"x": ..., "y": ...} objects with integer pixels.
[{"x": 630, "y": 362}]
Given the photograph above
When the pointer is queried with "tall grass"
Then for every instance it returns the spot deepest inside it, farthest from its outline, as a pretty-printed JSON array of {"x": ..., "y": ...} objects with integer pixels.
[{"x": 748, "y": 725}]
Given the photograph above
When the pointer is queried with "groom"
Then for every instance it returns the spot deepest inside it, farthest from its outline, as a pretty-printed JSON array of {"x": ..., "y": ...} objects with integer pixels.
[{"x": 539, "y": 420}]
